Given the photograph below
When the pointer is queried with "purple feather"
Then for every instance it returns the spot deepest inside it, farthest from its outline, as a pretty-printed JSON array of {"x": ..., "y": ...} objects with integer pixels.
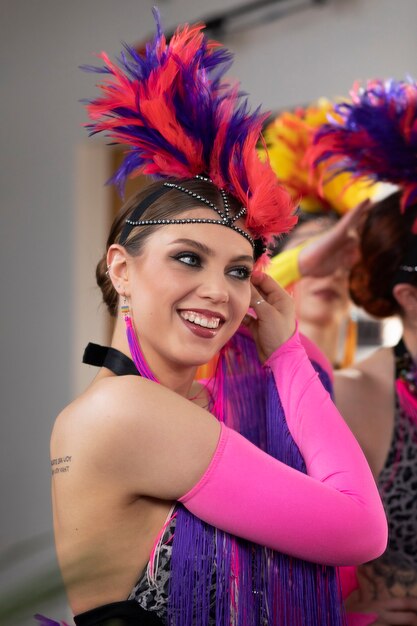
[
  {"x": 375, "y": 135},
  {"x": 46, "y": 621}
]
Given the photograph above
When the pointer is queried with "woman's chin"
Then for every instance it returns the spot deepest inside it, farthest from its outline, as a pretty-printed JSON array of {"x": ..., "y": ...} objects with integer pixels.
[
  {"x": 183, "y": 356},
  {"x": 199, "y": 360},
  {"x": 320, "y": 320},
  {"x": 201, "y": 351}
]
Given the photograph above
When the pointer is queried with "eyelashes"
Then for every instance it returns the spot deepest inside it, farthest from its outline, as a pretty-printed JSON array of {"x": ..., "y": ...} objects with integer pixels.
[
  {"x": 188, "y": 258},
  {"x": 241, "y": 273},
  {"x": 193, "y": 260}
]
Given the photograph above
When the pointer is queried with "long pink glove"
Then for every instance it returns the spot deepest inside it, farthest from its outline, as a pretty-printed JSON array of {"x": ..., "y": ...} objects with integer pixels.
[
  {"x": 315, "y": 354},
  {"x": 361, "y": 619},
  {"x": 333, "y": 515},
  {"x": 349, "y": 583}
]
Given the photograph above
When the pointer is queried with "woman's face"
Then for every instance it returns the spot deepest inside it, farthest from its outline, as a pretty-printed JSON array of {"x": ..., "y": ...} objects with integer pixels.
[
  {"x": 322, "y": 300},
  {"x": 190, "y": 289}
]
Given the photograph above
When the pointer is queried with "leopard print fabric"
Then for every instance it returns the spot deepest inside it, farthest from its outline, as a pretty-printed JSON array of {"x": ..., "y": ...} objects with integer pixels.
[
  {"x": 151, "y": 590},
  {"x": 397, "y": 483}
]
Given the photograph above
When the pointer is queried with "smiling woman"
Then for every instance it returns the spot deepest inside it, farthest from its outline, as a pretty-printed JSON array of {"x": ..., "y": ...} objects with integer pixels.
[{"x": 182, "y": 501}]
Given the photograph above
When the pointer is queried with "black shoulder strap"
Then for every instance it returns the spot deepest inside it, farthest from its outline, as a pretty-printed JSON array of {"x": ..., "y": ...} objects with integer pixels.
[
  {"x": 403, "y": 359},
  {"x": 114, "y": 360},
  {"x": 400, "y": 350}
]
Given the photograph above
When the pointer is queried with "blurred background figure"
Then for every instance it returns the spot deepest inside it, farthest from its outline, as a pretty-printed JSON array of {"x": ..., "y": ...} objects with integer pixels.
[
  {"x": 378, "y": 398},
  {"x": 319, "y": 285},
  {"x": 376, "y": 135}
]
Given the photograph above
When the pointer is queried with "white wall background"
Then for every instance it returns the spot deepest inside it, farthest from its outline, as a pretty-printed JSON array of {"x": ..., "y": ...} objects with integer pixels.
[{"x": 317, "y": 52}]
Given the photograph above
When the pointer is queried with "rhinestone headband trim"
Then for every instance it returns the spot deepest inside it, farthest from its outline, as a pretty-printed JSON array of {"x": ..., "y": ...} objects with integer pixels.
[
  {"x": 408, "y": 268},
  {"x": 194, "y": 220},
  {"x": 224, "y": 215},
  {"x": 226, "y": 219}
]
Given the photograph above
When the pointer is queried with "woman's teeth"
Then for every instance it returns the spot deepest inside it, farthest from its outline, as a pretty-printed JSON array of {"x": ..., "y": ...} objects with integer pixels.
[{"x": 200, "y": 320}]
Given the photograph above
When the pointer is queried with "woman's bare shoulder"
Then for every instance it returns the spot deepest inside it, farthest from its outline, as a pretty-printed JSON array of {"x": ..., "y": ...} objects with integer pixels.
[
  {"x": 113, "y": 393},
  {"x": 106, "y": 399},
  {"x": 375, "y": 369},
  {"x": 96, "y": 415},
  {"x": 364, "y": 393},
  {"x": 136, "y": 430}
]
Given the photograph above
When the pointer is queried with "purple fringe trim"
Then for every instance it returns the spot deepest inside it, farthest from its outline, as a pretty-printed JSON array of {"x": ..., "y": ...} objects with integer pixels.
[
  {"x": 136, "y": 352},
  {"x": 217, "y": 579},
  {"x": 46, "y": 621}
]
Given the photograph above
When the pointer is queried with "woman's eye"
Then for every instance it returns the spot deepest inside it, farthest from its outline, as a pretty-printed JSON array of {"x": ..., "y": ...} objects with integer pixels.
[
  {"x": 189, "y": 258},
  {"x": 242, "y": 273}
]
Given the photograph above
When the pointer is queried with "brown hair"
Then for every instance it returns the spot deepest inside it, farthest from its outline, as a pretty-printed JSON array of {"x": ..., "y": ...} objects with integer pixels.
[
  {"x": 320, "y": 221},
  {"x": 385, "y": 241},
  {"x": 166, "y": 206}
]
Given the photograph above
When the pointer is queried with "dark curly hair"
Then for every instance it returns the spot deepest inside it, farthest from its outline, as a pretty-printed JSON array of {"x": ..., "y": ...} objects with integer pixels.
[{"x": 386, "y": 243}]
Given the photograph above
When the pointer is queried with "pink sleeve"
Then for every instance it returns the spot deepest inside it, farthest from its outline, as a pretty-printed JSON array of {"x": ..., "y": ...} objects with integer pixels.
[
  {"x": 349, "y": 584},
  {"x": 315, "y": 354},
  {"x": 333, "y": 515},
  {"x": 361, "y": 619}
]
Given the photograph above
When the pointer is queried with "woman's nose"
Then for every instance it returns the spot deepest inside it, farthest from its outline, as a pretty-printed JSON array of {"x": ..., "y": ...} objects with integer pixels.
[{"x": 214, "y": 287}]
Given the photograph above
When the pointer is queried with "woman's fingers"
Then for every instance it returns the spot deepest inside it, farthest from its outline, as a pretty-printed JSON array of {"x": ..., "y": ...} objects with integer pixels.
[
  {"x": 274, "y": 322},
  {"x": 352, "y": 218},
  {"x": 355, "y": 216},
  {"x": 336, "y": 247},
  {"x": 391, "y": 611},
  {"x": 266, "y": 290},
  {"x": 256, "y": 296},
  {"x": 267, "y": 287}
]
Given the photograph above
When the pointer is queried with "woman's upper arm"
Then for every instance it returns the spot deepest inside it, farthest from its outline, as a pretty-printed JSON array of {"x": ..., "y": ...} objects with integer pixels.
[
  {"x": 348, "y": 392},
  {"x": 153, "y": 440}
]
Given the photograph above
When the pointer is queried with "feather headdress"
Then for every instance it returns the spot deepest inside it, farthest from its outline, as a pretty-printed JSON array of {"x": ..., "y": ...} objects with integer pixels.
[
  {"x": 288, "y": 139},
  {"x": 374, "y": 135},
  {"x": 180, "y": 117}
]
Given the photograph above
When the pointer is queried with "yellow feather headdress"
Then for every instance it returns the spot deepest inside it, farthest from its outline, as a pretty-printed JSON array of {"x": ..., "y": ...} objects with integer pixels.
[{"x": 287, "y": 139}]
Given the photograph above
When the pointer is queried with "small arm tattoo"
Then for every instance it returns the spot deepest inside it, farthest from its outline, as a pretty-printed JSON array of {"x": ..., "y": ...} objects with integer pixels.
[{"x": 61, "y": 464}]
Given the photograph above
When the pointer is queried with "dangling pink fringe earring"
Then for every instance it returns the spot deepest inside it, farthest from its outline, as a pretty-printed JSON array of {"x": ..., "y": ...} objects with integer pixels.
[{"x": 135, "y": 349}]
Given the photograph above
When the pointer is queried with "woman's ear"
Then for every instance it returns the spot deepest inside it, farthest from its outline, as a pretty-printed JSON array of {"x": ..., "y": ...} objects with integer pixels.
[
  {"x": 117, "y": 269},
  {"x": 406, "y": 296}
]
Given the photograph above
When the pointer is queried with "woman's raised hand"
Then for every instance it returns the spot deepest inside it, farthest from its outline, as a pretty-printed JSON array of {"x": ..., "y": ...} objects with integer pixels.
[
  {"x": 275, "y": 315},
  {"x": 337, "y": 247}
]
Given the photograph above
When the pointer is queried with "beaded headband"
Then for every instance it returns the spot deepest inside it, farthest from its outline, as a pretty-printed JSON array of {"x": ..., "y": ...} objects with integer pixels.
[
  {"x": 407, "y": 271},
  {"x": 226, "y": 219}
]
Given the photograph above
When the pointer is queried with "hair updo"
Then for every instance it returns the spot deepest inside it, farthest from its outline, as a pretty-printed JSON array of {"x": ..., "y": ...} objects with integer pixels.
[
  {"x": 167, "y": 206},
  {"x": 385, "y": 241}
]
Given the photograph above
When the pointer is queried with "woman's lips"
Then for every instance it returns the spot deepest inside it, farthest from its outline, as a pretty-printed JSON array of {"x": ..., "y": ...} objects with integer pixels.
[
  {"x": 200, "y": 331},
  {"x": 201, "y": 322},
  {"x": 327, "y": 294}
]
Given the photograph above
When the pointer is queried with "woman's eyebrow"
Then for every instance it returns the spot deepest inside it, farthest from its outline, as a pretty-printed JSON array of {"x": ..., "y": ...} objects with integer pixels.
[
  {"x": 194, "y": 244},
  {"x": 208, "y": 251}
]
